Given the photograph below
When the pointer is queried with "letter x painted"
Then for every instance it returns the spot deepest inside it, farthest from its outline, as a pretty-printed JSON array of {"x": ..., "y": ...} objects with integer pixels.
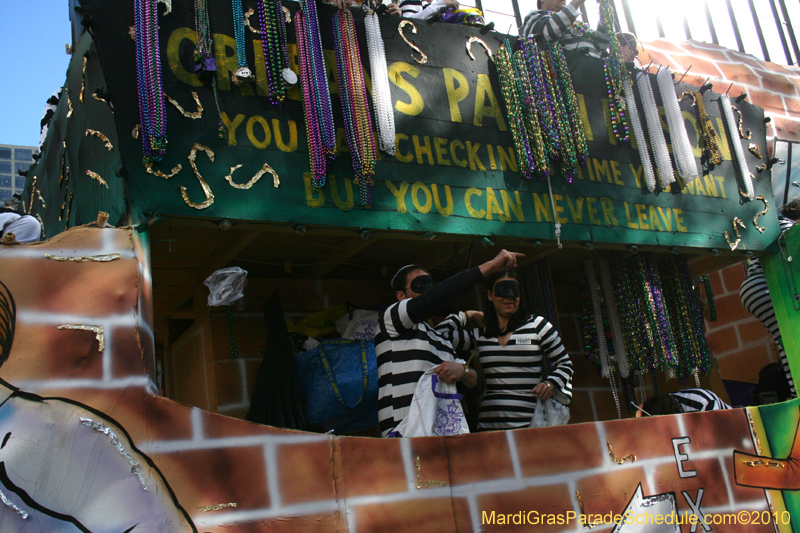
[{"x": 696, "y": 511}]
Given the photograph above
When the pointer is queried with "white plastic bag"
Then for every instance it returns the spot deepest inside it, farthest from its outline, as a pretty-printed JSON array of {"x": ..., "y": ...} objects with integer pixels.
[
  {"x": 435, "y": 411},
  {"x": 549, "y": 412},
  {"x": 225, "y": 286},
  {"x": 359, "y": 324}
]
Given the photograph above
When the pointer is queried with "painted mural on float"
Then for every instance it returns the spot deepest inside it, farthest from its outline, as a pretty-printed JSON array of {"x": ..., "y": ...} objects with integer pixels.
[{"x": 88, "y": 444}]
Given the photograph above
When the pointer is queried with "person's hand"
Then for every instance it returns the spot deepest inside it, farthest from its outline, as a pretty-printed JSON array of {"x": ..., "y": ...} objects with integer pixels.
[
  {"x": 505, "y": 260},
  {"x": 474, "y": 319},
  {"x": 451, "y": 4},
  {"x": 450, "y": 371},
  {"x": 543, "y": 390},
  {"x": 394, "y": 9}
]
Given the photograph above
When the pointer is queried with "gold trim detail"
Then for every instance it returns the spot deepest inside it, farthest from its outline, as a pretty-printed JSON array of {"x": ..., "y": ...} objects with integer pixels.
[
  {"x": 192, "y": 115},
  {"x": 102, "y": 137},
  {"x": 426, "y": 484},
  {"x": 85, "y": 258},
  {"x": 619, "y": 460},
  {"x": 264, "y": 169},
  {"x": 96, "y": 176},
  {"x": 206, "y": 189},
  {"x": 400, "y": 27},
  {"x": 98, "y": 332}
]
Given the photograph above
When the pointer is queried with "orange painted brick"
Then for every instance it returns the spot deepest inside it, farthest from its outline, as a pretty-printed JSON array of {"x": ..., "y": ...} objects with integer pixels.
[
  {"x": 752, "y": 331},
  {"x": 707, "y": 67},
  {"x": 640, "y": 442},
  {"x": 657, "y": 57},
  {"x": 716, "y": 283},
  {"x": 786, "y": 128},
  {"x": 708, "y": 477},
  {"x": 745, "y": 364},
  {"x": 462, "y": 515},
  {"x": 546, "y": 500},
  {"x": 738, "y": 72},
  {"x": 718, "y": 430},
  {"x": 733, "y": 276},
  {"x": 611, "y": 490},
  {"x": 771, "y": 102},
  {"x": 538, "y": 456},
  {"x": 479, "y": 457},
  {"x": 433, "y": 460},
  {"x": 722, "y": 341},
  {"x": 665, "y": 45},
  {"x": 421, "y": 515},
  {"x": 730, "y": 309},
  {"x": 372, "y": 466},
  {"x": 792, "y": 104},
  {"x": 778, "y": 83},
  {"x": 78, "y": 354},
  {"x": 305, "y": 472}
]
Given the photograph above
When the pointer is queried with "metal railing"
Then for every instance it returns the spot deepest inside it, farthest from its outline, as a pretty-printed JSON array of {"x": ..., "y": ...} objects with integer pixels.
[{"x": 763, "y": 28}]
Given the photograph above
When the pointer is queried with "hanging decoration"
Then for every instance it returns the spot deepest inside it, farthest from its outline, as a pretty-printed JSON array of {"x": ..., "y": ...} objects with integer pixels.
[
  {"x": 381, "y": 92},
  {"x": 83, "y": 76},
  {"x": 594, "y": 294},
  {"x": 682, "y": 149},
  {"x": 641, "y": 140},
  {"x": 712, "y": 150},
  {"x": 569, "y": 111},
  {"x": 543, "y": 124},
  {"x": 152, "y": 109},
  {"x": 206, "y": 189},
  {"x": 743, "y": 176},
  {"x": 243, "y": 73},
  {"x": 157, "y": 173},
  {"x": 736, "y": 222},
  {"x": 273, "y": 42},
  {"x": 355, "y": 106},
  {"x": 204, "y": 62},
  {"x": 755, "y": 150},
  {"x": 615, "y": 74},
  {"x": 192, "y": 115},
  {"x": 656, "y": 133},
  {"x": 276, "y": 181},
  {"x": 400, "y": 27},
  {"x": 739, "y": 119},
  {"x": 102, "y": 137},
  {"x": 95, "y": 176},
  {"x": 320, "y": 130},
  {"x": 709, "y": 293},
  {"x": 761, "y": 213},
  {"x": 482, "y": 43},
  {"x": 613, "y": 319}
]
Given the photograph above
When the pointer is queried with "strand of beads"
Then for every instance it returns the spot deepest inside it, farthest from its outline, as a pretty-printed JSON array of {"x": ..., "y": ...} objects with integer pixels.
[
  {"x": 712, "y": 309},
  {"x": 243, "y": 72},
  {"x": 203, "y": 56},
  {"x": 739, "y": 163},
  {"x": 320, "y": 130},
  {"x": 641, "y": 140},
  {"x": 272, "y": 25},
  {"x": 594, "y": 292},
  {"x": 571, "y": 102},
  {"x": 568, "y": 160},
  {"x": 613, "y": 319},
  {"x": 615, "y": 73},
  {"x": 381, "y": 92},
  {"x": 702, "y": 361},
  {"x": 659, "y": 315},
  {"x": 709, "y": 135},
  {"x": 532, "y": 123},
  {"x": 681, "y": 147},
  {"x": 516, "y": 120},
  {"x": 355, "y": 107},
  {"x": 588, "y": 330},
  {"x": 231, "y": 332},
  {"x": 542, "y": 101},
  {"x": 674, "y": 299},
  {"x": 152, "y": 107},
  {"x": 657, "y": 141}
]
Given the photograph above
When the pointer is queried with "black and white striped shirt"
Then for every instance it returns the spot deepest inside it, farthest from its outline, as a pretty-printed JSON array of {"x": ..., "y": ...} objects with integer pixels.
[
  {"x": 560, "y": 26},
  {"x": 417, "y": 9},
  {"x": 406, "y": 350},
  {"x": 514, "y": 369},
  {"x": 699, "y": 400}
]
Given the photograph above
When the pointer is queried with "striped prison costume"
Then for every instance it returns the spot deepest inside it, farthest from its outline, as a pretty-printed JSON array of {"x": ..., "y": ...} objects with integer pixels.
[
  {"x": 756, "y": 299},
  {"x": 417, "y": 9},
  {"x": 699, "y": 400},
  {"x": 406, "y": 346},
  {"x": 514, "y": 369},
  {"x": 559, "y": 26}
]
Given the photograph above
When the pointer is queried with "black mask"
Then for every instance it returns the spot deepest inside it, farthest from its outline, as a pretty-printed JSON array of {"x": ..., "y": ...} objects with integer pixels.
[
  {"x": 420, "y": 284},
  {"x": 508, "y": 288}
]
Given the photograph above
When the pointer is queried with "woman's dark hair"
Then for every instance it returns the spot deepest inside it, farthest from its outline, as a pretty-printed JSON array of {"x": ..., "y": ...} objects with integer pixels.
[
  {"x": 792, "y": 210},
  {"x": 662, "y": 404},
  {"x": 400, "y": 280},
  {"x": 492, "y": 325}
]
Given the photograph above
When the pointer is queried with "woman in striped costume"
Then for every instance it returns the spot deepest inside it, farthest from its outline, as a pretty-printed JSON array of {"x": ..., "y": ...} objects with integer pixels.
[
  {"x": 521, "y": 356},
  {"x": 755, "y": 295}
]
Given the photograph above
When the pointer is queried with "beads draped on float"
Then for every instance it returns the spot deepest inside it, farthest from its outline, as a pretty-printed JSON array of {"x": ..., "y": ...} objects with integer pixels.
[
  {"x": 320, "y": 130},
  {"x": 615, "y": 75},
  {"x": 381, "y": 92},
  {"x": 657, "y": 141},
  {"x": 152, "y": 107},
  {"x": 355, "y": 108},
  {"x": 681, "y": 147},
  {"x": 743, "y": 176},
  {"x": 641, "y": 140},
  {"x": 273, "y": 43}
]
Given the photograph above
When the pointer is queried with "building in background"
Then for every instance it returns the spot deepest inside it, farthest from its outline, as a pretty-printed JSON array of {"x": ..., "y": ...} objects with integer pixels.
[{"x": 12, "y": 160}]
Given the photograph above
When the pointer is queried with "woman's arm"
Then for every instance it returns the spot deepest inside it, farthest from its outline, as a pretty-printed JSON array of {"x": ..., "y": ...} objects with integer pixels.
[{"x": 560, "y": 377}]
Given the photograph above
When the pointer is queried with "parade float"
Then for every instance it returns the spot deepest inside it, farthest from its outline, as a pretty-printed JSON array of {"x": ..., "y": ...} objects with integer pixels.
[{"x": 125, "y": 392}]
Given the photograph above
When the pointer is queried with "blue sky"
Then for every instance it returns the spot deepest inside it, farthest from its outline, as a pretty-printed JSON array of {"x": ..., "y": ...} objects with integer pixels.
[{"x": 32, "y": 36}]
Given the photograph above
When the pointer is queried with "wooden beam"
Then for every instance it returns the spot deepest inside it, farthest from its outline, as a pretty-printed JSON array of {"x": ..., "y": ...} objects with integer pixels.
[
  {"x": 220, "y": 256},
  {"x": 321, "y": 270}
]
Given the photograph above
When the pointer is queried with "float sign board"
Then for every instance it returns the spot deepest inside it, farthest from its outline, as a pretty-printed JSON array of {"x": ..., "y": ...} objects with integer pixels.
[{"x": 455, "y": 170}]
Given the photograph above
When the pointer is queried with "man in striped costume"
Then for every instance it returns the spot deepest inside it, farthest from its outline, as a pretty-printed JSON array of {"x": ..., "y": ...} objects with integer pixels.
[
  {"x": 406, "y": 346},
  {"x": 417, "y": 9},
  {"x": 683, "y": 401},
  {"x": 555, "y": 20}
]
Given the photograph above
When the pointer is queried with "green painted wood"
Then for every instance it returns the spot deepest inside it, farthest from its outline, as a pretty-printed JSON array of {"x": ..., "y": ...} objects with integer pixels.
[
  {"x": 783, "y": 280},
  {"x": 454, "y": 172}
]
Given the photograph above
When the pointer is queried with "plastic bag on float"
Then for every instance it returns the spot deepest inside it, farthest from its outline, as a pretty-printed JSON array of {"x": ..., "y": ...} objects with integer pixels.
[
  {"x": 435, "y": 411},
  {"x": 549, "y": 412},
  {"x": 358, "y": 324},
  {"x": 339, "y": 380},
  {"x": 225, "y": 286}
]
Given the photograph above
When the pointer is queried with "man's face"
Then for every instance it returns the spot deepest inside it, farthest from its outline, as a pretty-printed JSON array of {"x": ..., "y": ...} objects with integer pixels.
[
  {"x": 553, "y": 5},
  {"x": 408, "y": 291}
]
